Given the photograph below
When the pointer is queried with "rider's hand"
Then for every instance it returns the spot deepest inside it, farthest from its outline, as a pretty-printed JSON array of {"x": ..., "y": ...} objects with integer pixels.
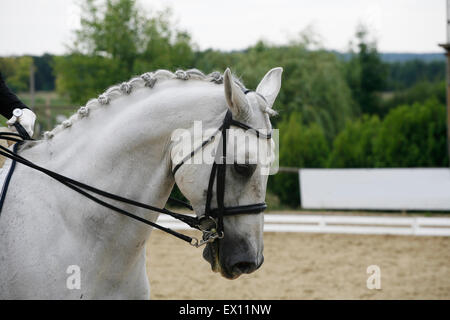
[{"x": 27, "y": 120}]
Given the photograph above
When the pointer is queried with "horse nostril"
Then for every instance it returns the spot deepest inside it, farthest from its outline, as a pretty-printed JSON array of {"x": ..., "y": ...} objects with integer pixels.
[{"x": 244, "y": 267}]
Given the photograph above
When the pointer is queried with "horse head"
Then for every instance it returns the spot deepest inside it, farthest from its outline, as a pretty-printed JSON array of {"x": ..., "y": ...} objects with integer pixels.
[{"x": 224, "y": 172}]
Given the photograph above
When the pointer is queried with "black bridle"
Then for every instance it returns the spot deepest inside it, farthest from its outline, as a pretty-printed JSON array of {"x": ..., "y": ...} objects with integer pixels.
[
  {"x": 212, "y": 221},
  {"x": 211, "y": 224}
]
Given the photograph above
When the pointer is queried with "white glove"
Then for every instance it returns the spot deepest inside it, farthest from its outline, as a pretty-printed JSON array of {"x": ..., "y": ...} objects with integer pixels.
[{"x": 26, "y": 119}]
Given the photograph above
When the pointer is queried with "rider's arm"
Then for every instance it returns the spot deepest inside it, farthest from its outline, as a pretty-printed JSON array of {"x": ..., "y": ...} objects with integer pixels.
[{"x": 8, "y": 100}]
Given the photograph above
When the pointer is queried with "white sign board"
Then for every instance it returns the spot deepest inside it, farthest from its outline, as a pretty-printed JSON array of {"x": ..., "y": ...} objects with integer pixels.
[{"x": 377, "y": 189}]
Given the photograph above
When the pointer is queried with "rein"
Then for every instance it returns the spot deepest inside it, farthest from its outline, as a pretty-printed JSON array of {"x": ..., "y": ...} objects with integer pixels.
[
  {"x": 82, "y": 188},
  {"x": 211, "y": 224}
]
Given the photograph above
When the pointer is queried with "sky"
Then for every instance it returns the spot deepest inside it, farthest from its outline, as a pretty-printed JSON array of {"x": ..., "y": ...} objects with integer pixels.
[{"x": 416, "y": 26}]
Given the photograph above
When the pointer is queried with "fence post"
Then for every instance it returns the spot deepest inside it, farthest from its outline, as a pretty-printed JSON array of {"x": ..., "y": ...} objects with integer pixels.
[{"x": 415, "y": 226}]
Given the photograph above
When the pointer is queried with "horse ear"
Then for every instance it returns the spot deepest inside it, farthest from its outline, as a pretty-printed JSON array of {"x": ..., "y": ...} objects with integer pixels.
[
  {"x": 236, "y": 100},
  {"x": 270, "y": 85}
]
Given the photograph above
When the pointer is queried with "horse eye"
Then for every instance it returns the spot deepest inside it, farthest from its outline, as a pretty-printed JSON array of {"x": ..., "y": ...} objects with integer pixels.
[{"x": 244, "y": 169}]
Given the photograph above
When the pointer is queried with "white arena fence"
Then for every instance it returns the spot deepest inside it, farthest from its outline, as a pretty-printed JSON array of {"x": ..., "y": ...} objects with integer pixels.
[
  {"x": 414, "y": 226},
  {"x": 424, "y": 189}
]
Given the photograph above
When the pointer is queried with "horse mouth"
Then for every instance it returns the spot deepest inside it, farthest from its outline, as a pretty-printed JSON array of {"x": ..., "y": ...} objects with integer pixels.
[{"x": 211, "y": 254}]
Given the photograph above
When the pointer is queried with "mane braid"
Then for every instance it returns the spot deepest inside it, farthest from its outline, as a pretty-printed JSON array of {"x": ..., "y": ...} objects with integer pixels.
[{"x": 147, "y": 79}]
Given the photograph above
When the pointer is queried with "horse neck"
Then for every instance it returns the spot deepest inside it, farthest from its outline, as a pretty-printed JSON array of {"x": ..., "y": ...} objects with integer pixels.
[{"x": 124, "y": 148}]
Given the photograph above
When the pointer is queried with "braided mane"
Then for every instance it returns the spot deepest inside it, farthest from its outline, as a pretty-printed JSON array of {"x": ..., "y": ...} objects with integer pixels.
[{"x": 148, "y": 79}]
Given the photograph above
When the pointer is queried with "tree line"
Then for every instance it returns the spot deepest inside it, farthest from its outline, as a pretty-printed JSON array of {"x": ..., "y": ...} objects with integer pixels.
[{"x": 334, "y": 112}]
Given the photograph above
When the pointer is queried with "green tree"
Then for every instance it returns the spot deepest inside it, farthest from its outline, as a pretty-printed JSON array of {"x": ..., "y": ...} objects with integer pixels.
[
  {"x": 409, "y": 136},
  {"x": 419, "y": 92},
  {"x": 313, "y": 80},
  {"x": 402, "y": 75},
  {"x": 366, "y": 73},
  {"x": 16, "y": 71},
  {"x": 81, "y": 77},
  {"x": 116, "y": 41},
  {"x": 44, "y": 78},
  {"x": 413, "y": 136},
  {"x": 353, "y": 147}
]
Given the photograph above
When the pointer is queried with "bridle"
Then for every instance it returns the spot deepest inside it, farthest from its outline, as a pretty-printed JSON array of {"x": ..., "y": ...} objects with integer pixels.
[{"x": 211, "y": 224}]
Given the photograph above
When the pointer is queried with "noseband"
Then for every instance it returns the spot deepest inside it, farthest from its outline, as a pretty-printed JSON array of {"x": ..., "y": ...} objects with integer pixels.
[{"x": 211, "y": 224}]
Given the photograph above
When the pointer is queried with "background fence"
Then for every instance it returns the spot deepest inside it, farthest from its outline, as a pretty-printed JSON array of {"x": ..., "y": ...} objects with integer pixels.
[
  {"x": 423, "y": 189},
  {"x": 417, "y": 226}
]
